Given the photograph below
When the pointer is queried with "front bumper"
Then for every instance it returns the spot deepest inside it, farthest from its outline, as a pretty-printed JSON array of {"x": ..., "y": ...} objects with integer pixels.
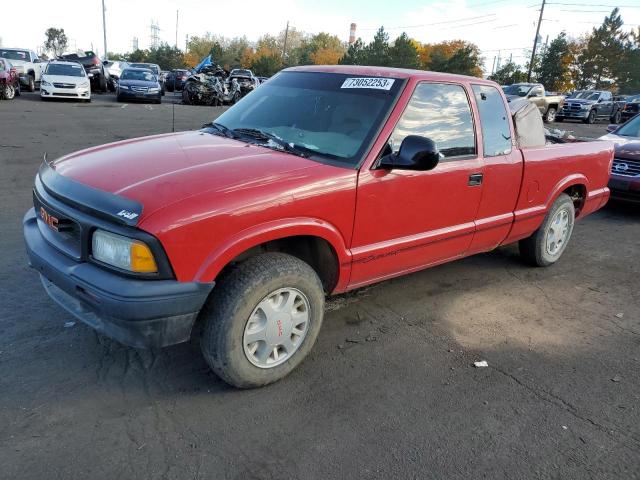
[
  {"x": 581, "y": 114},
  {"x": 138, "y": 313},
  {"x": 625, "y": 188},
  {"x": 140, "y": 96},
  {"x": 53, "y": 92}
]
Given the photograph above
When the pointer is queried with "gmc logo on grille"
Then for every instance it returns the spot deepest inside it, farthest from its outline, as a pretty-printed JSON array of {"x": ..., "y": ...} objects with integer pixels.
[{"x": 49, "y": 219}]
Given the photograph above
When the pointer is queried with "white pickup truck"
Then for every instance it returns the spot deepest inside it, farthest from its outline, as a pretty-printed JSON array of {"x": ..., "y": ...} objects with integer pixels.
[{"x": 27, "y": 63}]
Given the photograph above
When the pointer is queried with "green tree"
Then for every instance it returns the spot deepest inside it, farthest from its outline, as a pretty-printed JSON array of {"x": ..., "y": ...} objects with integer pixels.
[
  {"x": 56, "y": 41},
  {"x": 233, "y": 51},
  {"x": 553, "y": 71},
  {"x": 508, "y": 74},
  {"x": 266, "y": 65},
  {"x": 355, "y": 54},
  {"x": 377, "y": 52},
  {"x": 600, "y": 61},
  {"x": 403, "y": 53},
  {"x": 138, "y": 56},
  {"x": 167, "y": 56}
]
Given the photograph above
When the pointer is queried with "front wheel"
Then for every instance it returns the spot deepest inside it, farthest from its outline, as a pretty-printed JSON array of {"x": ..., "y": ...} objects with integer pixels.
[
  {"x": 550, "y": 116},
  {"x": 31, "y": 86},
  {"x": 547, "y": 244},
  {"x": 8, "y": 92},
  {"x": 262, "y": 320},
  {"x": 591, "y": 118}
]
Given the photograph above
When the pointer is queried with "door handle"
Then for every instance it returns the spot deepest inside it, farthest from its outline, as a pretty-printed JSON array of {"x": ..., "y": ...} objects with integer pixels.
[{"x": 475, "y": 179}]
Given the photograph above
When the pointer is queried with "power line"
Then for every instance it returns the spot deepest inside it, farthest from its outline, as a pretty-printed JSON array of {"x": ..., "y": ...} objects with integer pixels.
[
  {"x": 593, "y": 5},
  {"x": 435, "y": 23}
]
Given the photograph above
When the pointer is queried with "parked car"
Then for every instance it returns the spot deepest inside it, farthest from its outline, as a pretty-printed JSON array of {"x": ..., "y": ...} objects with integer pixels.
[
  {"x": 548, "y": 104},
  {"x": 590, "y": 106},
  {"x": 156, "y": 71},
  {"x": 245, "y": 78},
  {"x": 631, "y": 107},
  {"x": 115, "y": 68},
  {"x": 27, "y": 64},
  {"x": 68, "y": 80},
  {"x": 97, "y": 72},
  {"x": 625, "y": 173},
  {"x": 249, "y": 222},
  {"x": 9, "y": 80},
  {"x": 626, "y": 133},
  {"x": 175, "y": 79},
  {"x": 138, "y": 84}
]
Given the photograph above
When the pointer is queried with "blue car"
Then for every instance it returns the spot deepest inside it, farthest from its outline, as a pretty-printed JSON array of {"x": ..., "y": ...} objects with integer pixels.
[{"x": 138, "y": 84}]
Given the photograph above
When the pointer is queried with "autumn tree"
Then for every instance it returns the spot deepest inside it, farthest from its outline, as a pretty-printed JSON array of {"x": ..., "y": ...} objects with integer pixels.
[
  {"x": 508, "y": 74},
  {"x": 56, "y": 41},
  {"x": 455, "y": 56}
]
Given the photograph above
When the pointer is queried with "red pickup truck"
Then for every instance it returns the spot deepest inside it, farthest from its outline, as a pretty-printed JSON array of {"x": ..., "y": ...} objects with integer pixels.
[{"x": 322, "y": 180}]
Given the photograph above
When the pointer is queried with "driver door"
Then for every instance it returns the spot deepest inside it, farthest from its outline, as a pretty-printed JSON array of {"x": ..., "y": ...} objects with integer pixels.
[{"x": 407, "y": 220}]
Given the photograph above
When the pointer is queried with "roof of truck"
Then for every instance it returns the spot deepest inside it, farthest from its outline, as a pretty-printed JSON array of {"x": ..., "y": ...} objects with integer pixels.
[{"x": 388, "y": 72}]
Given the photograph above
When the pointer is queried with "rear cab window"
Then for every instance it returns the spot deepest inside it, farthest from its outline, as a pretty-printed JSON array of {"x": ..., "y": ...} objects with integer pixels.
[
  {"x": 494, "y": 121},
  {"x": 442, "y": 113}
]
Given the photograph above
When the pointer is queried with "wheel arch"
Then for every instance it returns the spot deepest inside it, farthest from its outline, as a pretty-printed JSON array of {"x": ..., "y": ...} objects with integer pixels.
[
  {"x": 576, "y": 186},
  {"x": 314, "y": 241}
]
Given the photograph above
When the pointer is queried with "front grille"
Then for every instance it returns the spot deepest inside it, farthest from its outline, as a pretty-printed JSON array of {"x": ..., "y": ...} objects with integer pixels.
[
  {"x": 628, "y": 168},
  {"x": 574, "y": 107},
  {"x": 65, "y": 94},
  {"x": 59, "y": 230},
  {"x": 64, "y": 85},
  {"x": 139, "y": 89}
]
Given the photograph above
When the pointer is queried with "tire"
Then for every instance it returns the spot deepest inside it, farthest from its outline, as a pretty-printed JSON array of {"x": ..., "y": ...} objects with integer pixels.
[
  {"x": 102, "y": 83},
  {"x": 8, "y": 92},
  {"x": 118, "y": 98},
  {"x": 18, "y": 90},
  {"x": 559, "y": 119},
  {"x": 617, "y": 117},
  {"x": 32, "y": 84},
  {"x": 237, "y": 300},
  {"x": 591, "y": 119},
  {"x": 538, "y": 250},
  {"x": 550, "y": 116}
]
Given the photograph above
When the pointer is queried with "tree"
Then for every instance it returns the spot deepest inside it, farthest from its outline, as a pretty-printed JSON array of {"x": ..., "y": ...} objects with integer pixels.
[
  {"x": 56, "y": 41},
  {"x": 403, "y": 53},
  {"x": 377, "y": 52},
  {"x": 555, "y": 61},
  {"x": 600, "y": 60},
  {"x": 138, "y": 56},
  {"x": 508, "y": 74},
  {"x": 354, "y": 55},
  {"x": 454, "y": 56},
  {"x": 167, "y": 56}
]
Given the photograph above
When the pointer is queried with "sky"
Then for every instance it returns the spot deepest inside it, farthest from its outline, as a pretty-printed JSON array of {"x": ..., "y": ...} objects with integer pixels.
[{"x": 501, "y": 28}]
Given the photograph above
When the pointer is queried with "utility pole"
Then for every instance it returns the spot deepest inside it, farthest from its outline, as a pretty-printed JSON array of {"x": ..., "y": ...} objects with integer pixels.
[
  {"x": 284, "y": 46},
  {"x": 535, "y": 41},
  {"x": 177, "y": 13},
  {"x": 104, "y": 30},
  {"x": 186, "y": 43},
  {"x": 493, "y": 68}
]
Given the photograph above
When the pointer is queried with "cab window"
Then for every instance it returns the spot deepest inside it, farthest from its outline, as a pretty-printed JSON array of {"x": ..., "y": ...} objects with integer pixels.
[
  {"x": 496, "y": 132},
  {"x": 442, "y": 113},
  {"x": 536, "y": 92}
]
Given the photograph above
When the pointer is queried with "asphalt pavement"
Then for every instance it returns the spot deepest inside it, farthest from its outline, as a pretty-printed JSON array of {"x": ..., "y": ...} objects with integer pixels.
[{"x": 389, "y": 391}]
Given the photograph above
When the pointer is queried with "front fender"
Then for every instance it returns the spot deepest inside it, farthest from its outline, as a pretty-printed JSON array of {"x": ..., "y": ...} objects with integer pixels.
[{"x": 275, "y": 230}]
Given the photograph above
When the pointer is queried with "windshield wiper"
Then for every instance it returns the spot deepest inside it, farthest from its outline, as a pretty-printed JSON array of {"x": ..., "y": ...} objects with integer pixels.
[
  {"x": 227, "y": 132},
  {"x": 266, "y": 136}
]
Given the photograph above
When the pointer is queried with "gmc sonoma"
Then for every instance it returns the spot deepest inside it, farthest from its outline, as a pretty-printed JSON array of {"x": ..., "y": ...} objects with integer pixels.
[{"x": 323, "y": 180}]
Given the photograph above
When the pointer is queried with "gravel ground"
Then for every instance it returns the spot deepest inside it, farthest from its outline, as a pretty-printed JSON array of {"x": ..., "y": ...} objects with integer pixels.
[{"x": 389, "y": 391}]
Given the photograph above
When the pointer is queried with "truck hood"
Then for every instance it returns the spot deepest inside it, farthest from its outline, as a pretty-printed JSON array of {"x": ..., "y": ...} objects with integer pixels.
[
  {"x": 580, "y": 101},
  {"x": 164, "y": 169}
]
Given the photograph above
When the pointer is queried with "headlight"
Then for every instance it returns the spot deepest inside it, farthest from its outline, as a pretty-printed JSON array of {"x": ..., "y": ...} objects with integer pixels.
[
  {"x": 122, "y": 252},
  {"x": 154, "y": 90},
  {"x": 84, "y": 85},
  {"x": 123, "y": 87},
  {"x": 45, "y": 83},
  {"x": 586, "y": 107}
]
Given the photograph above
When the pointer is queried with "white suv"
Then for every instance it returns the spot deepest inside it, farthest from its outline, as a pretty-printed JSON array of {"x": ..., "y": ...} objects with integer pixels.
[
  {"x": 28, "y": 65},
  {"x": 65, "y": 80}
]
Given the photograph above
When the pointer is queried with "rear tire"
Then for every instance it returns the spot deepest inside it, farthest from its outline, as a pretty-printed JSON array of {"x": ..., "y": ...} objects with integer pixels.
[
  {"x": 546, "y": 245},
  {"x": 265, "y": 295},
  {"x": 31, "y": 87}
]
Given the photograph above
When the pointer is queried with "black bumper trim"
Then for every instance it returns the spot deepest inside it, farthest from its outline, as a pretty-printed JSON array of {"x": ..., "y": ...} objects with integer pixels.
[{"x": 139, "y": 313}]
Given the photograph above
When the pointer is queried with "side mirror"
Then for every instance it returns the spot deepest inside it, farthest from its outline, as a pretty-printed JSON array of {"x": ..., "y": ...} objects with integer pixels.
[
  {"x": 36, "y": 60},
  {"x": 534, "y": 95},
  {"x": 416, "y": 153},
  {"x": 600, "y": 100},
  {"x": 611, "y": 128}
]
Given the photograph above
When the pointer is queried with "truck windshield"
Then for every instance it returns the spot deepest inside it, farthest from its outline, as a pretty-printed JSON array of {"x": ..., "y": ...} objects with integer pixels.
[
  {"x": 519, "y": 90},
  {"x": 586, "y": 95},
  {"x": 15, "y": 55},
  {"x": 331, "y": 116}
]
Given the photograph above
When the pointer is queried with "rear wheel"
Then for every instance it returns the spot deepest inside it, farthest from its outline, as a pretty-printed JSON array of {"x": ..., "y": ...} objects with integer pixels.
[
  {"x": 547, "y": 244},
  {"x": 617, "y": 117},
  {"x": 262, "y": 320},
  {"x": 102, "y": 83},
  {"x": 550, "y": 116}
]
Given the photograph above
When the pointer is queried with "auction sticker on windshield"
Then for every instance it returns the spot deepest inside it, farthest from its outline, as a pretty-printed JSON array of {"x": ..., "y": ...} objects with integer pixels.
[{"x": 377, "y": 83}]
